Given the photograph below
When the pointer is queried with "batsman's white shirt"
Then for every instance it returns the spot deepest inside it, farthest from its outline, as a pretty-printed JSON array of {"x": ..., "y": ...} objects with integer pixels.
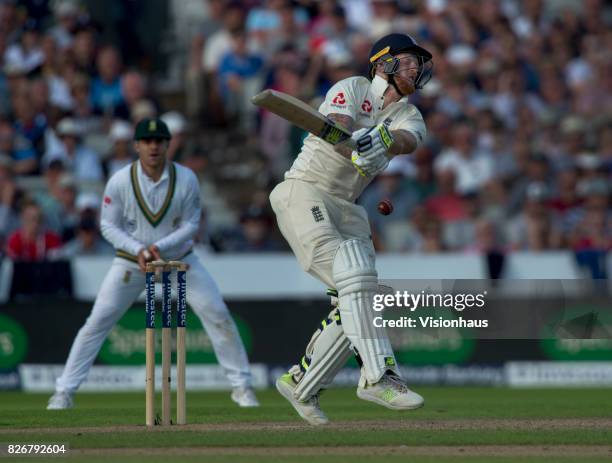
[
  {"x": 315, "y": 205},
  {"x": 361, "y": 100},
  {"x": 136, "y": 213}
]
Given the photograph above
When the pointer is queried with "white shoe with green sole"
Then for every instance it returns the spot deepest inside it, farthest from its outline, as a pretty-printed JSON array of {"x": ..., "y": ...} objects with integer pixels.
[
  {"x": 391, "y": 392},
  {"x": 309, "y": 409}
]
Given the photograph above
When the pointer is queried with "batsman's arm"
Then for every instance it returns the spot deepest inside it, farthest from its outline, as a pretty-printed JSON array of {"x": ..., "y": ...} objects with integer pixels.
[
  {"x": 404, "y": 142},
  {"x": 409, "y": 135},
  {"x": 345, "y": 121}
]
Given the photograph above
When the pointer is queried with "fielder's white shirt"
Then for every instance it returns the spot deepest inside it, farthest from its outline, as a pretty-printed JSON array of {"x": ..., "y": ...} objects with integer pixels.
[
  {"x": 362, "y": 100},
  {"x": 138, "y": 212}
]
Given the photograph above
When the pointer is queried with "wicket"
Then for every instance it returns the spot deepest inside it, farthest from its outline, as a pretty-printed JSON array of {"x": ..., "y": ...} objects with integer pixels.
[{"x": 181, "y": 283}]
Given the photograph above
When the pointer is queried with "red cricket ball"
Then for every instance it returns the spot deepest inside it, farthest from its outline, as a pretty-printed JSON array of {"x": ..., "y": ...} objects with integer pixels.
[{"x": 385, "y": 207}]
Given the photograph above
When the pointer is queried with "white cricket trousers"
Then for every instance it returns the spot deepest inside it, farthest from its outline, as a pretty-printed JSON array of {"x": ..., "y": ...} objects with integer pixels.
[
  {"x": 121, "y": 287},
  {"x": 315, "y": 224}
]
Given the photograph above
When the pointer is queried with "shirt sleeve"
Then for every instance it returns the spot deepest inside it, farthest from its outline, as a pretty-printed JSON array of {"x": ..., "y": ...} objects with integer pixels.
[
  {"x": 413, "y": 123},
  {"x": 341, "y": 99},
  {"x": 111, "y": 220},
  {"x": 190, "y": 218}
]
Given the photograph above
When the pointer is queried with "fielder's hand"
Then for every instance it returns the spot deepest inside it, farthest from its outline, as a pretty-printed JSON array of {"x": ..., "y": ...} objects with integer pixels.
[
  {"x": 155, "y": 251},
  {"x": 372, "y": 145},
  {"x": 144, "y": 256}
]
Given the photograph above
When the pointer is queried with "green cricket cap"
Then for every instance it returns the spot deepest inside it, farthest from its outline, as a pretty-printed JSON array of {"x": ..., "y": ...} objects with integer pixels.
[{"x": 152, "y": 128}]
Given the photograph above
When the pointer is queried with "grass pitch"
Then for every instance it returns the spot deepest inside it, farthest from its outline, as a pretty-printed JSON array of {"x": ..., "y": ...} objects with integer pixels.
[{"x": 456, "y": 424}]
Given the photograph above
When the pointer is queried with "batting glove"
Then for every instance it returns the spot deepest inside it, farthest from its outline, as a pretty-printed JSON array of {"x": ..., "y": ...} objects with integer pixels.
[
  {"x": 375, "y": 141},
  {"x": 372, "y": 146},
  {"x": 369, "y": 166}
]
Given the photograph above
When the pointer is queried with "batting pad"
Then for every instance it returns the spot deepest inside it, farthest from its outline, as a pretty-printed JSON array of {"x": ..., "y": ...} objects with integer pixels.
[
  {"x": 326, "y": 353},
  {"x": 357, "y": 283}
]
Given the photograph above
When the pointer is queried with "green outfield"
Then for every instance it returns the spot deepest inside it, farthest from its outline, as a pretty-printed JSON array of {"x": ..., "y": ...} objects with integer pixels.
[{"x": 457, "y": 424}]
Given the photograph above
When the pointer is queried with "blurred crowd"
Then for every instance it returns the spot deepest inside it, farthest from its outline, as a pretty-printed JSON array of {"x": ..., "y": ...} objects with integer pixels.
[
  {"x": 519, "y": 148},
  {"x": 68, "y": 105}
]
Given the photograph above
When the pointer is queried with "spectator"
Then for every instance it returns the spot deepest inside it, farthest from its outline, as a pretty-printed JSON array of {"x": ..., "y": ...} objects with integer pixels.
[
  {"x": 446, "y": 205},
  {"x": 280, "y": 141},
  {"x": 31, "y": 242},
  {"x": 432, "y": 238},
  {"x": 41, "y": 104},
  {"x": 567, "y": 194},
  {"x": 263, "y": 22},
  {"x": 486, "y": 240},
  {"x": 240, "y": 79},
  {"x": 534, "y": 228},
  {"x": 10, "y": 194},
  {"x": 57, "y": 87},
  {"x": 197, "y": 160},
  {"x": 389, "y": 185},
  {"x": 81, "y": 161},
  {"x": 289, "y": 34},
  {"x": 84, "y": 49},
  {"x": 422, "y": 183},
  {"x": 66, "y": 13},
  {"x": 385, "y": 18},
  {"x": 18, "y": 149},
  {"x": 9, "y": 21},
  {"x": 26, "y": 54},
  {"x": 472, "y": 168},
  {"x": 215, "y": 47},
  {"x": 255, "y": 233},
  {"x": 219, "y": 42},
  {"x": 536, "y": 170},
  {"x": 59, "y": 203},
  {"x": 134, "y": 89},
  {"x": 408, "y": 234},
  {"x": 87, "y": 241},
  {"x": 461, "y": 234},
  {"x": 28, "y": 123},
  {"x": 121, "y": 135},
  {"x": 106, "y": 87},
  {"x": 591, "y": 236},
  {"x": 177, "y": 124},
  {"x": 85, "y": 115},
  {"x": 586, "y": 224}
]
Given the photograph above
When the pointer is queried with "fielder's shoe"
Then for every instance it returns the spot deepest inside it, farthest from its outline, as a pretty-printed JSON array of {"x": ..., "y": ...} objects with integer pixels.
[
  {"x": 60, "y": 401},
  {"x": 390, "y": 392},
  {"x": 245, "y": 397},
  {"x": 309, "y": 409}
]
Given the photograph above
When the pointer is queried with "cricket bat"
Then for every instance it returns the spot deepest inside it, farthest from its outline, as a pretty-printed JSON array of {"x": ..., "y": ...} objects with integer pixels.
[{"x": 304, "y": 116}]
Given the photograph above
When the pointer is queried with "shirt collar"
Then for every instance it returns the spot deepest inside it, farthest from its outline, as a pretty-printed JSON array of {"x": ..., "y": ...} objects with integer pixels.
[
  {"x": 378, "y": 87},
  {"x": 143, "y": 176}
]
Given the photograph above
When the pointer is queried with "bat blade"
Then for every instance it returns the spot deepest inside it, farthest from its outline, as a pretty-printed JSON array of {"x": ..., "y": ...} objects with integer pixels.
[{"x": 305, "y": 117}]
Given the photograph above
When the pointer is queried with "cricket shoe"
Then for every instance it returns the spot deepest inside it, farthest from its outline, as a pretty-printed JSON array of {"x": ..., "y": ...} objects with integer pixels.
[
  {"x": 308, "y": 409},
  {"x": 245, "y": 397},
  {"x": 60, "y": 401},
  {"x": 391, "y": 392}
]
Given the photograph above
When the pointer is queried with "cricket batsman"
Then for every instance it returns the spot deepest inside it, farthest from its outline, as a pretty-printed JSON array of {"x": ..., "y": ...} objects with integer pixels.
[{"x": 330, "y": 235}]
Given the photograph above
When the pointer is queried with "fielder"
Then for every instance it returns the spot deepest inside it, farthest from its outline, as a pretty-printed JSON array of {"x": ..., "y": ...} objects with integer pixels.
[
  {"x": 330, "y": 234},
  {"x": 151, "y": 210}
]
